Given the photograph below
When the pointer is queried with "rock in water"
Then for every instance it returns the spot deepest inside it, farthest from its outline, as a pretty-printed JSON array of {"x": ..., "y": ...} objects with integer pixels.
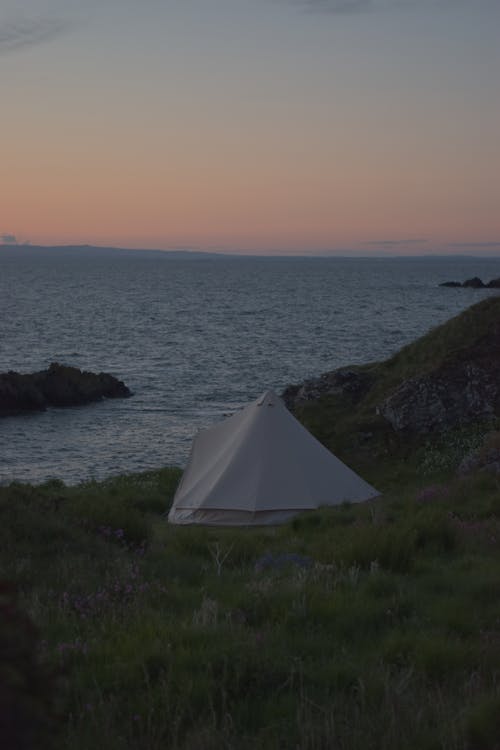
[
  {"x": 474, "y": 283},
  {"x": 60, "y": 385}
]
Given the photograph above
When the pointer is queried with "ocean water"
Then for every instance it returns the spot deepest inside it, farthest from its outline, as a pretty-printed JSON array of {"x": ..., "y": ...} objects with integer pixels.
[{"x": 195, "y": 339}]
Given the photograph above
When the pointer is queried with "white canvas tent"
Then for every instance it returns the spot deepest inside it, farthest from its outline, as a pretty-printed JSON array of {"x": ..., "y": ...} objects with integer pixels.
[{"x": 261, "y": 466}]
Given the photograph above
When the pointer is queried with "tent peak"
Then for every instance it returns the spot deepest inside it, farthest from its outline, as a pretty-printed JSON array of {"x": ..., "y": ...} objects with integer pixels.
[{"x": 268, "y": 398}]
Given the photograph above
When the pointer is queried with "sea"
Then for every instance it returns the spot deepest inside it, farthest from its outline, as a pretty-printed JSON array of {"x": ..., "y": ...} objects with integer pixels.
[{"x": 195, "y": 338}]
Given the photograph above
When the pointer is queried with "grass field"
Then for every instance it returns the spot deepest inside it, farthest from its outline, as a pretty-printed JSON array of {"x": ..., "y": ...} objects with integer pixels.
[{"x": 363, "y": 626}]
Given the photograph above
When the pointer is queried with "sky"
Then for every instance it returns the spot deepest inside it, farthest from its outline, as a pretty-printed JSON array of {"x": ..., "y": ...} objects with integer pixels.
[{"x": 255, "y": 126}]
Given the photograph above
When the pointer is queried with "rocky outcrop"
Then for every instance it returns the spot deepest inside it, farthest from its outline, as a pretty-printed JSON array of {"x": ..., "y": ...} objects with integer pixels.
[
  {"x": 461, "y": 388},
  {"x": 448, "y": 378},
  {"x": 346, "y": 381},
  {"x": 474, "y": 283},
  {"x": 448, "y": 397},
  {"x": 59, "y": 385}
]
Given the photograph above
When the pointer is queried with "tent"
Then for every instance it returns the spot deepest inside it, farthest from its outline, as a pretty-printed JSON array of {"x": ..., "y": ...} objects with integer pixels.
[{"x": 261, "y": 466}]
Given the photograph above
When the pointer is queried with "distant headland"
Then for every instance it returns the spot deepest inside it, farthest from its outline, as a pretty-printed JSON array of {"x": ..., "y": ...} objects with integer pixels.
[{"x": 93, "y": 251}]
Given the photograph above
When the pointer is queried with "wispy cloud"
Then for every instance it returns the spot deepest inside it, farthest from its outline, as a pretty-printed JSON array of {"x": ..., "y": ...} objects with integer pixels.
[
  {"x": 397, "y": 243},
  {"x": 478, "y": 245},
  {"x": 340, "y": 6},
  {"x": 26, "y": 32},
  {"x": 364, "y": 6}
]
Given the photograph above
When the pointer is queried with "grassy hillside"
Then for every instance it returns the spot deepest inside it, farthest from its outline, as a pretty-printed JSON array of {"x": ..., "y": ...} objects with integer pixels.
[
  {"x": 449, "y": 342},
  {"x": 356, "y": 431},
  {"x": 363, "y": 626}
]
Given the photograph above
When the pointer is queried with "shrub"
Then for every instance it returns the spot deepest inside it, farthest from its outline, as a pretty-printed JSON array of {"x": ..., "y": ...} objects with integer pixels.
[{"x": 447, "y": 451}]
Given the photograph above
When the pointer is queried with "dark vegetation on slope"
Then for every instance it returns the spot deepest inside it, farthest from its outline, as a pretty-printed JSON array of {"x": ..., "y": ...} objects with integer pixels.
[{"x": 364, "y": 626}]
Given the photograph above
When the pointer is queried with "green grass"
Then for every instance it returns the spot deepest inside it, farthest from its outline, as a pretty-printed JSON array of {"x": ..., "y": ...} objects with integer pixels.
[{"x": 387, "y": 636}]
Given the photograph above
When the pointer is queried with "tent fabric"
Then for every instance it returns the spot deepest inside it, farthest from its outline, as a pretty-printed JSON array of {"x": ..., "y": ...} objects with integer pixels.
[{"x": 259, "y": 467}]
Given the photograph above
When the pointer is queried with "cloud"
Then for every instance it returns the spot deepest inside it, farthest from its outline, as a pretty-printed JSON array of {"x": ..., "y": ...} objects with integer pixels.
[
  {"x": 475, "y": 244},
  {"x": 8, "y": 239},
  {"x": 26, "y": 32},
  {"x": 341, "y": 6},
  {"x": 364, "y": 6},
  {"x": 396, "y": 243}
]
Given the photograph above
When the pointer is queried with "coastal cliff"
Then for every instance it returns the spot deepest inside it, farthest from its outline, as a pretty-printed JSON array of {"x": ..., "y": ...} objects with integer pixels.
[
  {"x": 447, "y": 379},
  {"x": 59, "y": 385}
]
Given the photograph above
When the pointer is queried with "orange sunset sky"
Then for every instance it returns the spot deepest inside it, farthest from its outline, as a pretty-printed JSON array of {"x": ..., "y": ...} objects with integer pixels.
[{"x": 263, "y": 126}]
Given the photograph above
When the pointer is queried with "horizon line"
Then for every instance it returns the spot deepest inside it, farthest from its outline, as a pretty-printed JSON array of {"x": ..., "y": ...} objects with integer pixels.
[{"x": 341, "y": 254}]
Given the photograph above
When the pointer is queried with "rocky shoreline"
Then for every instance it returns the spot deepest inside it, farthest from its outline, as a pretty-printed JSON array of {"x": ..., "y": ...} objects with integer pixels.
[{"x": 58, "y": 386}]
